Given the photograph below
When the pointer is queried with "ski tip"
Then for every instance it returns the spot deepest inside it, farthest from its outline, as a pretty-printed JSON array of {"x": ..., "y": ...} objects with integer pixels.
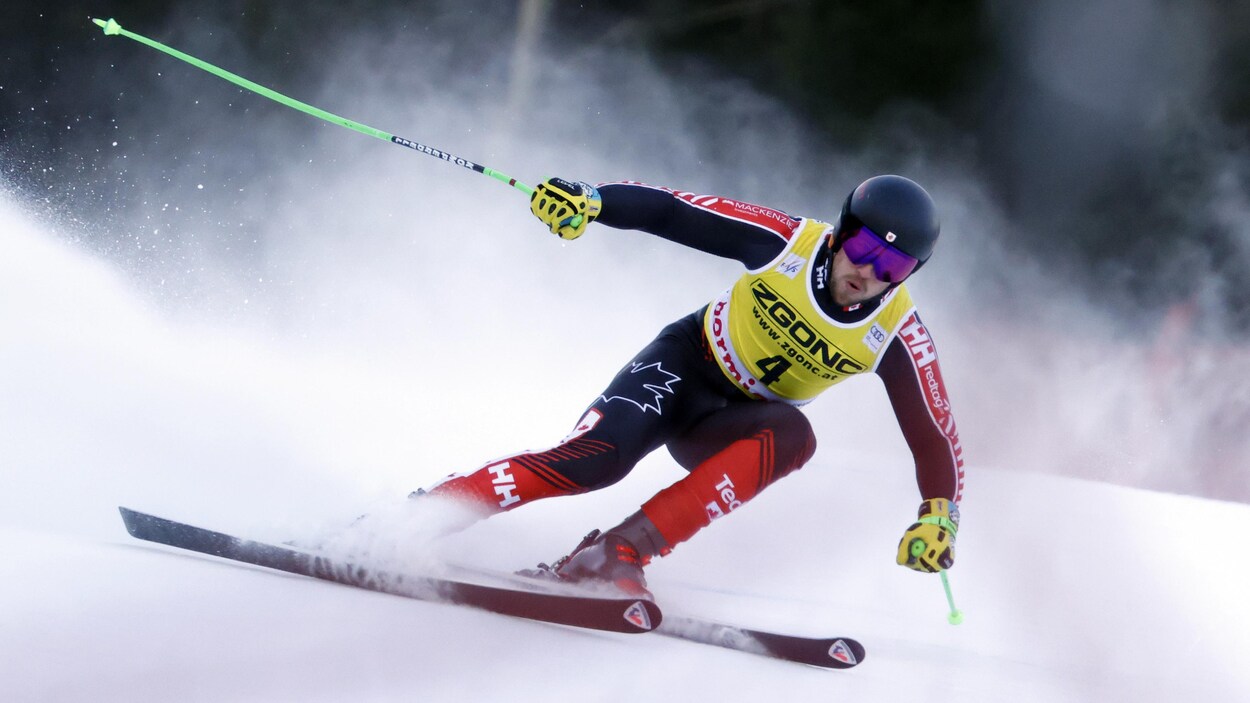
[
  {"x": 846, "y": 652},
  {"x": 130, "y": 518},
  {"x": 644, "y": 615}
]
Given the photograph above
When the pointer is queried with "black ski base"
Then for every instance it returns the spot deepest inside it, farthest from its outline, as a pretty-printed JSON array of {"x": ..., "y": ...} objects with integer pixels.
[{"x": 599, "y": 613}]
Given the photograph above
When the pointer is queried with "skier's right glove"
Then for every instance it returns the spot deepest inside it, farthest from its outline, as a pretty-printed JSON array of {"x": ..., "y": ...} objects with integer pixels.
[
  {"x": 565, "y": 207},
  {"x": 929, "y": 544}
]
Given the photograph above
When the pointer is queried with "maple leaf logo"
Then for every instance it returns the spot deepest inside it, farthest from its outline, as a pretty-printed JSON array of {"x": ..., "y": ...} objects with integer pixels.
[{"x": 645, "y": 387}]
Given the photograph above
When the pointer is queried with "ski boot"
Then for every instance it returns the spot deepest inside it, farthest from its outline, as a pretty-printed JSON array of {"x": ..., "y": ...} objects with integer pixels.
[{"x": 601, "y": 558}]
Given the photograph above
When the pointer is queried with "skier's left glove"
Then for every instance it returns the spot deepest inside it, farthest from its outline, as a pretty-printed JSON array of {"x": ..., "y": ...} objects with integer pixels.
[
  {"x": 565, "y": 207},
  {"x": 929, "y": 544}
]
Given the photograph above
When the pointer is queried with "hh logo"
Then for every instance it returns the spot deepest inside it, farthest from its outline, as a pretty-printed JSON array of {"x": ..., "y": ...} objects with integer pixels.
[
  {"x": 504, "y": 484},
  {"x": 918, "y": 342}
]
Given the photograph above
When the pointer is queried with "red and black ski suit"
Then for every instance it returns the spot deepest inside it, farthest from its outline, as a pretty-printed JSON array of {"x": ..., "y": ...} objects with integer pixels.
[{"x": 673, "y": 393}]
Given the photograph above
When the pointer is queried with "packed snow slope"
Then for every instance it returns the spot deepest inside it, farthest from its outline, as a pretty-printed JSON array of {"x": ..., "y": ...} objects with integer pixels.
[{"x": 1073, "y": 590}]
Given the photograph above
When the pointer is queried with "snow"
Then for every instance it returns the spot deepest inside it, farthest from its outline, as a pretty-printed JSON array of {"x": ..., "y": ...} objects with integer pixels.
[{"x": 1072, "y": 590}]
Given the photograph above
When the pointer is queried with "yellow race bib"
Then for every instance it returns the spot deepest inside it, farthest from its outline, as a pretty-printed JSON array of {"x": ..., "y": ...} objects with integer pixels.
[{"x": 774, "y": 341}]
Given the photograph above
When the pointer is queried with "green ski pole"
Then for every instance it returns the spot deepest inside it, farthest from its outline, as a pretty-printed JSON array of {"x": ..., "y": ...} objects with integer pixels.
[
  {"x": 111, "y": 27},
  {"x": 955, "y": 616}
]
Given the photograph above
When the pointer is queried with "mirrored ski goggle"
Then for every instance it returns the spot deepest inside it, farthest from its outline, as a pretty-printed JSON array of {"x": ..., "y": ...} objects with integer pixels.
[{"x": 889, "y": 264}]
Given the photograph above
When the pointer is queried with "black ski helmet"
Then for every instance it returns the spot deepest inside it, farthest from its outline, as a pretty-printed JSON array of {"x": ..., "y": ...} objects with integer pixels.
[{"x": 892, "y": 205}]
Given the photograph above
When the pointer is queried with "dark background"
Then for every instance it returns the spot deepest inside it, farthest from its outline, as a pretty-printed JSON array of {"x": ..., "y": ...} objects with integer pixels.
[{"x": 1113, "y": 135}]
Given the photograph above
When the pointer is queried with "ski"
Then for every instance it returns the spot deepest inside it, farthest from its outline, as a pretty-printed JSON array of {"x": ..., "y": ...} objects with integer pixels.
[
  {"x": 612, "y": 614},
  {"x": 824, "y": 652},
  {"x": 828, "y": 652},
  {"x": 518, "y": 597}
]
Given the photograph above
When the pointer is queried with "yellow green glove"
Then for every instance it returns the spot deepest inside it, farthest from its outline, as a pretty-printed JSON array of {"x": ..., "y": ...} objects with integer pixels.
[
  {"x": 929, "y": 544},
  {"x": 565, "y": 207}
]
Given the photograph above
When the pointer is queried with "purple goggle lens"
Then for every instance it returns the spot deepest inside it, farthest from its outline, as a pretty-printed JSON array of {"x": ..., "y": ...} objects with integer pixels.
[{"x": 889, "y": 264}]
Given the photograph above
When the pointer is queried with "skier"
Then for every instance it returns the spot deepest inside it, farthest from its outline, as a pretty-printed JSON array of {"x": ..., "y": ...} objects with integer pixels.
[{"x": 722, "y": 387}]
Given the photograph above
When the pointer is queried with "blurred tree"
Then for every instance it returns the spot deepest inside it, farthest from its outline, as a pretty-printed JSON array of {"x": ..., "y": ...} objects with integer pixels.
[
  {"x": 1073, "y": 175},
  {"x": 841, "y": 63}
]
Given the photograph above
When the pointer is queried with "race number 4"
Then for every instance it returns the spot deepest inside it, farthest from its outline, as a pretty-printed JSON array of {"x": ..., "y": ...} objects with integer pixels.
[{"x": 773, "y": 367}]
